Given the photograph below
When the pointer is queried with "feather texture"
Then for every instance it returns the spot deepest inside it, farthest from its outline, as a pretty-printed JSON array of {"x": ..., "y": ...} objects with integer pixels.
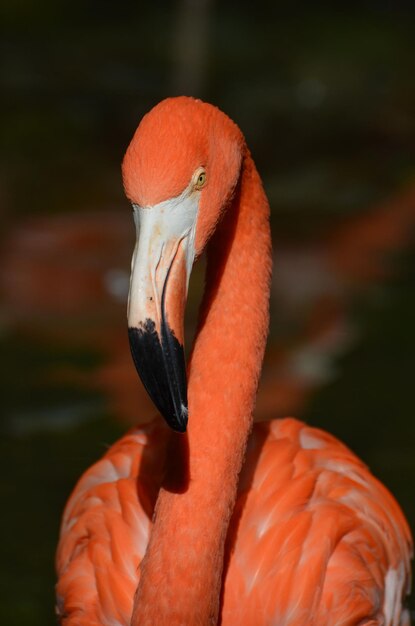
[{"x": 314, "y": 537}]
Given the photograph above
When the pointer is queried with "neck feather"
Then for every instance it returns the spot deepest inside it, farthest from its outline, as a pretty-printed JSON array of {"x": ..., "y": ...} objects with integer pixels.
[{"x": 181, "y": 573}]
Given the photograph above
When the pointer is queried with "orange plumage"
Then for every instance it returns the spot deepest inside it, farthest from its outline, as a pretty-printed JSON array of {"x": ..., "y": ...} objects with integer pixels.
[{"x": 282, "y": 526}]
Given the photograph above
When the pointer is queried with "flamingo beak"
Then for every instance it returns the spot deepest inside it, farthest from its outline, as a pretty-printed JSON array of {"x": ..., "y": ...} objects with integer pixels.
[{"x": 160, "y": 271}]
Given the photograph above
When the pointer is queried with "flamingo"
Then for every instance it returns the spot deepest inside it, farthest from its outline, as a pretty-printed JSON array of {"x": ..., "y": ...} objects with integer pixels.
[{"x": 204, "y": 518}]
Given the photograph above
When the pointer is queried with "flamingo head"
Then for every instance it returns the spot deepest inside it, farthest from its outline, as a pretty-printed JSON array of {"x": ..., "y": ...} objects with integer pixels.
[{"x": 180, "y": 171}]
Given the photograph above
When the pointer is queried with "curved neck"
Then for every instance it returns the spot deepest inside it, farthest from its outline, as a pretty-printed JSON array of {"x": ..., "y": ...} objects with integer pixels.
[{"x": 181, "y": 573}]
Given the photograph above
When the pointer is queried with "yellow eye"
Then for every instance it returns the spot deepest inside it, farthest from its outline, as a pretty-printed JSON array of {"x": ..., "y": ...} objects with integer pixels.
[{"x": 200, "y": 180}]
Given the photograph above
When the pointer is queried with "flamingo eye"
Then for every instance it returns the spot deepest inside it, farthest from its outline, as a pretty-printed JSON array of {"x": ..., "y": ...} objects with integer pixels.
[{"x": 200, "y": 179}]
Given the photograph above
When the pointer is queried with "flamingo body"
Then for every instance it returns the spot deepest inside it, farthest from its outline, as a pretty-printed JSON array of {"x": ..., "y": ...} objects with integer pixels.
[
  {"x": 314, "y": 537},
  {"x": 215, "y": 524}
]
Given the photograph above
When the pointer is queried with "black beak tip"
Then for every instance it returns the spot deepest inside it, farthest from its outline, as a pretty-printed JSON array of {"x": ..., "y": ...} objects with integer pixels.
[
  {"x": 178, "y": 423},
  {"x": 161, "y": 366}
]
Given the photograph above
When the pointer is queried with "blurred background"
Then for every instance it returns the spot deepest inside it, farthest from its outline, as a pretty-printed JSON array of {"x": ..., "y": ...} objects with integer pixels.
[{"x": 326, "y": 99}]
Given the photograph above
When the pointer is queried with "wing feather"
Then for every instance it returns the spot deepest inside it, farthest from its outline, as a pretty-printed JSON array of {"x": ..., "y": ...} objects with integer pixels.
[
  {"x": 315, "y": 539},
  {"x": 105, "y": 531}
]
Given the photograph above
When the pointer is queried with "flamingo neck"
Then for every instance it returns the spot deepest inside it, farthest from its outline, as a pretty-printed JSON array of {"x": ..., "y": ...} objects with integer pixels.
[{"x": 181, "y": 573}]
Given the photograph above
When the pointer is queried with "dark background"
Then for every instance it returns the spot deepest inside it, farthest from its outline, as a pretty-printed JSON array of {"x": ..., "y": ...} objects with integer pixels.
[{"x": 326, "y": 99}]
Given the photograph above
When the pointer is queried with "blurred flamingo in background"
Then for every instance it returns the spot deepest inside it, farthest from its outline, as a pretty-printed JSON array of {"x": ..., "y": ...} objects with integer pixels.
[{"x": 215, "y": 523}]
